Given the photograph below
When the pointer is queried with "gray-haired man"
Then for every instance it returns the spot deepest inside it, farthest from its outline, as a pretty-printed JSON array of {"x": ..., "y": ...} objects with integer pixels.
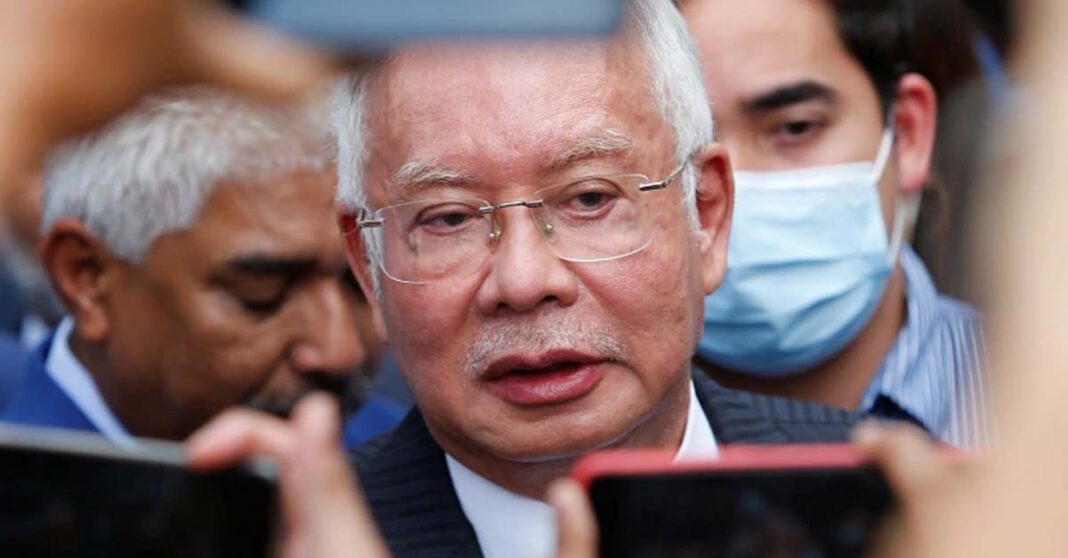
[
  {"x": 192, "y": 243},
  {"x": 540, "y": 224}
]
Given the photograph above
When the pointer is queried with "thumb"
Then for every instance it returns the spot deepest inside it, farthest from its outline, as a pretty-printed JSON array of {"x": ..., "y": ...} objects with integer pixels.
[
  {"x": 323, "y": 491},
  {"x": 906, "y": 455},
  {"x": 575, "y": 522}
]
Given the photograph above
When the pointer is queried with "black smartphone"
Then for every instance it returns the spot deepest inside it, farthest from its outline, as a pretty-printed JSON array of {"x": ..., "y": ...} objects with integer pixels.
[
  {"x": 368, "y": 25},
  {"x": 72, "y": 494},
  {"x": 751, "y": 502}
]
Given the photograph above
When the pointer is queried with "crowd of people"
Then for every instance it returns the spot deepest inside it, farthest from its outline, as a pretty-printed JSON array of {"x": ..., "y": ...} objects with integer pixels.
[{"x": 707, "y": 229}]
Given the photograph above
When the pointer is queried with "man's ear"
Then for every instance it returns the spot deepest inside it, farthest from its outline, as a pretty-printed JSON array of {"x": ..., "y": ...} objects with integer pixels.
[
  {"x": 715, "y": 205},
  {"x": 915, "y": 119},
  {"x": 81, "y": 268},
  {"x": 360, "y": 262}
]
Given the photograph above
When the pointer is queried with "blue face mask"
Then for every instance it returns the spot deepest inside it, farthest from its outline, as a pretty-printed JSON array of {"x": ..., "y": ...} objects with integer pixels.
[{"x": 807, "y": 265}]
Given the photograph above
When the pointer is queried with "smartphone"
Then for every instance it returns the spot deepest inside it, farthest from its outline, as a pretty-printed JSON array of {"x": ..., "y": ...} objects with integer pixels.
[
  {"x": 801, "y": 501},
  {"x": 68, "y": 493},
  {"x": 370, "y": 25}
]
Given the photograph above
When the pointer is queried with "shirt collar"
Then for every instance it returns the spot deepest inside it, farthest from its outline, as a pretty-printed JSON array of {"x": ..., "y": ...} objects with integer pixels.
[
  {"x": 904, "y": 364},
  {"x": 76, "y": 382},
  {"x": 508, "y": 524}
]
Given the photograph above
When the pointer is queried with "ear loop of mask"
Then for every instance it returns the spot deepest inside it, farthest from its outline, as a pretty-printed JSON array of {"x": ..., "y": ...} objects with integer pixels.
[
  {"x": 906, "y": 206},
  {"x": 905, "y": 214}
]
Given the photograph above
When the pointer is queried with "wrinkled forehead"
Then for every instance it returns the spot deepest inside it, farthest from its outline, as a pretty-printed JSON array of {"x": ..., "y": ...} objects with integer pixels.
[
  {"x": 518, "y": 67},
  {"x": 509, "y": 103}
]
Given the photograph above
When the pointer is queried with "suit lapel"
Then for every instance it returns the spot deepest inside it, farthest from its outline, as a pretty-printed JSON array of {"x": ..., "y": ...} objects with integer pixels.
[
  {"x": 740, "y": 417},
  {"x": 408, "y": 486},
  {"x": 734, "y": 419}
]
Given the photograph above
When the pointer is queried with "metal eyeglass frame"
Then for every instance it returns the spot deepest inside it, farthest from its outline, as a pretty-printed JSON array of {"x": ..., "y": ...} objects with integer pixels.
[{"x": 365, "y": 219}]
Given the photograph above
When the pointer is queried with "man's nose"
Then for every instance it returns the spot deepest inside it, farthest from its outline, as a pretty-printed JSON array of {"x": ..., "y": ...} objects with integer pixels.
[
  {"x": 329, "y": 340},
  {"x": 525, "y": 272}
]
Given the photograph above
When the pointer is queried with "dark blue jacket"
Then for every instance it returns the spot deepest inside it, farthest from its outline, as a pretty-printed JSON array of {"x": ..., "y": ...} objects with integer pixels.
[
  {"x": 39, "y": 401},
  {"x": 11, "y": 309},
  {"x": 13, "y": 359}
]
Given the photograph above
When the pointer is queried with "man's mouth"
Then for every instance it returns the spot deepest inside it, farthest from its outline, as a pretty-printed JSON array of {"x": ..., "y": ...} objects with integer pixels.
[
  {"x": 282, "y": 404},
  {"x": 546, "y": 378}
]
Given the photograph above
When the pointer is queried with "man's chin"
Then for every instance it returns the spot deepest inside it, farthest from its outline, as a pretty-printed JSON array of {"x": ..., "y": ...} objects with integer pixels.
[
  {"x": 561, "y": 449},
  {"x": 282, "y": 406},
  {"x": 280, "y": 409}
]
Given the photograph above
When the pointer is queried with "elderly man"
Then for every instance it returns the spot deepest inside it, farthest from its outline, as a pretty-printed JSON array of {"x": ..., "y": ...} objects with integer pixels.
[
  {"x": 193, "y": 245},
  {"x": 824, "y": 300},
  {"x": 539, "y": 225}
]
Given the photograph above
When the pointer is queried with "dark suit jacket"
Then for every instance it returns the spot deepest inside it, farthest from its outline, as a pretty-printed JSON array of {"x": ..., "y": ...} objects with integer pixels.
[
  {"x": 11, "y": 309},
  {"x": 408, "y": 487},
  {"x": 39, "y": 401},
  {"x": 13, "y": 360}
]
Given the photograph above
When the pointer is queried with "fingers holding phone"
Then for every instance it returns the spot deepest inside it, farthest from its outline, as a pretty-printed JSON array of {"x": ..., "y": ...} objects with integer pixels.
[
  {"x": 930, "y": 481},
  {"x": 576, "y": 525},
  {"x": 323, "y": 513}
]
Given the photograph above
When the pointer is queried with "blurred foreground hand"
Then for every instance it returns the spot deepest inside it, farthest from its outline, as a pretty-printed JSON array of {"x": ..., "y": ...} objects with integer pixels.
[
  {"x": 67, "y": 66},
  {"x": 323, "y": 513},
  {"x": 928, "y": 488}
]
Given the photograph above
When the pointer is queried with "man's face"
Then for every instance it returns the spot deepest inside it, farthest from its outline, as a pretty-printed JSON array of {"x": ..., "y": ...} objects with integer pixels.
[
  {"x": 248, "y": 306},
  {"x": 785, "y": 91},
  {"x": 528, "y": 357}
]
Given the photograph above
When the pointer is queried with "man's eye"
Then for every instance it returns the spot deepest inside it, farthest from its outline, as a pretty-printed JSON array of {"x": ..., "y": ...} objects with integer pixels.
[
  {"x": 446, "y": 220},
  {"x": 796, "y": 131},
  {"x": 263, "y": 306},
  {"x": 588, "y": 199},
  {"x": 452, "y": 219},
  {"x": 591, "y": 200}
]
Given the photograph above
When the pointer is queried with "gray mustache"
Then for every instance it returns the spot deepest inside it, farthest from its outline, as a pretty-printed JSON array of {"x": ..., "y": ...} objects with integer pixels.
[{"x": 526, "y": 338}]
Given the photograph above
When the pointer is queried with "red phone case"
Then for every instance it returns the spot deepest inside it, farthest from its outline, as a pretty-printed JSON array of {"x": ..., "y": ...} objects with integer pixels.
[
  {"x": 630, "y": 462},
  {"x": 615, "y": 463}
]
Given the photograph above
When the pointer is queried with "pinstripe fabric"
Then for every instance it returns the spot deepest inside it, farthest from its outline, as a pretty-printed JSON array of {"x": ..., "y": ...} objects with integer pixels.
[
  {"x": 935, "y": 369},
  {"x": 407, "y": 483}
]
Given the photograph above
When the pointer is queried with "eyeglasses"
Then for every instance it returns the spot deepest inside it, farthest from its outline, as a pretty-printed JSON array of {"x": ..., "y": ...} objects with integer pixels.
[{"x": 595, "y": 219}]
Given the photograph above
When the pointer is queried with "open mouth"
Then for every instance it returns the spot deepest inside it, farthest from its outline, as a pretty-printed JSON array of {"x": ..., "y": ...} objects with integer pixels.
[
  {"x": 544, "y": 379},
  {"x": 563, "y": 366}
]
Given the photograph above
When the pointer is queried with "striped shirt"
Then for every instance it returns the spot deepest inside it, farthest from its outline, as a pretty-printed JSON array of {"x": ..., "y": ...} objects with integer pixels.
[{"x": 935, "y": 371}]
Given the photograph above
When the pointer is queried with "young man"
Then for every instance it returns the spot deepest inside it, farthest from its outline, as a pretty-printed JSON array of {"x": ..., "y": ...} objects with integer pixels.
[{"x": 831, "y": 138}]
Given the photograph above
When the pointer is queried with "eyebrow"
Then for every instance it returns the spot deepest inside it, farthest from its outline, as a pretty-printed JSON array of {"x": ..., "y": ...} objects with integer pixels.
[
  {"x": 416, "y": 175},
  {"x": 791, "y": 94},
  {"x": 263, "y": 264},
  {"x": 604, "y": 144}
]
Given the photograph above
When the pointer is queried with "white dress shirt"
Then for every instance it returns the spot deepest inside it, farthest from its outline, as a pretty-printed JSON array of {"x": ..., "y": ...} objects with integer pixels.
[
  {"x": 33, "y": 331},
  {"x": 512, "y": 526},
  {"x": 72, "y": 377}
]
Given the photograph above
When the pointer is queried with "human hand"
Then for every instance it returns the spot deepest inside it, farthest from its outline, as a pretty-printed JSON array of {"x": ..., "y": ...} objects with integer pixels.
[
  {"x": 928, "y": 487},
  {"x": 323, "y": 515},
  {"x": 67, "y": 66},
  {"x": 576, "y": 525}
]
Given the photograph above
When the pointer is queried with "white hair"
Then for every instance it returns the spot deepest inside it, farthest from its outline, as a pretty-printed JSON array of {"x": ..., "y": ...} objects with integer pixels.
[
  {"x": 675, "y": 82},
  {"x": 150, "y": 171}
]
